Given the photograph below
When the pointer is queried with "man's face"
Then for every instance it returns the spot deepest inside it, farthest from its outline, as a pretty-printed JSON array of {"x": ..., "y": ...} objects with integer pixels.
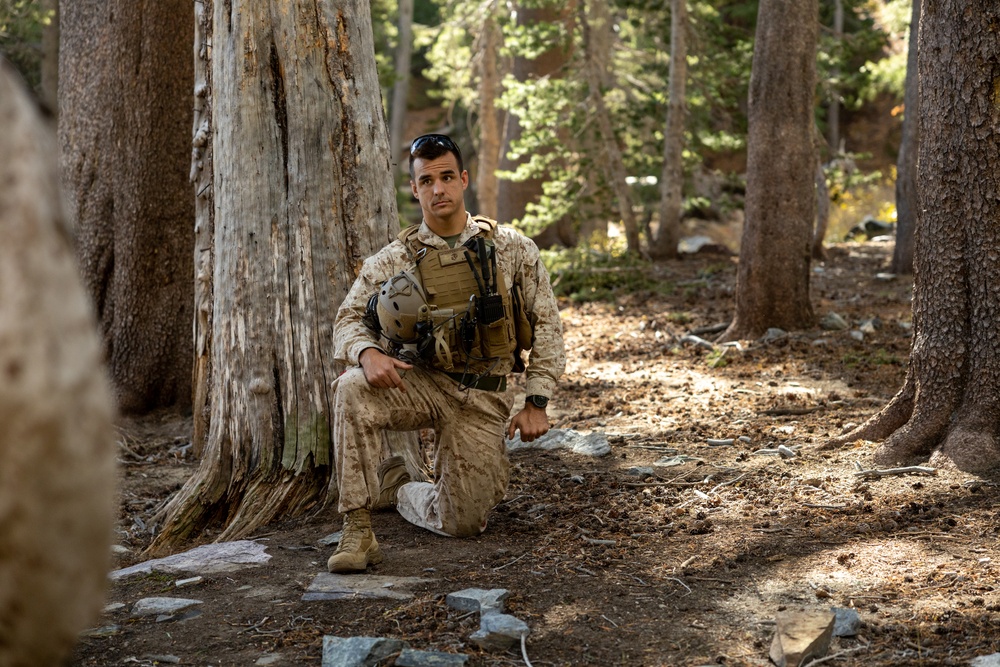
[{"x": 440, "y": 188}]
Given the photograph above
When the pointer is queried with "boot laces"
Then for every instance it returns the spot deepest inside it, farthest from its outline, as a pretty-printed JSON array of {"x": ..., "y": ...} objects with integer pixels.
[{"x": 352, "y": 535}]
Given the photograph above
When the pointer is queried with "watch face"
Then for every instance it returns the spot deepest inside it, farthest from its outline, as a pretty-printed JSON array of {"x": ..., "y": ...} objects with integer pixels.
[{"x": 538, "y": 401}]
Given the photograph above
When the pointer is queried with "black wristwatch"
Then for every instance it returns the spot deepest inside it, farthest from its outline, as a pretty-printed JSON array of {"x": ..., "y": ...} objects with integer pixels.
[{"x": 537, "y": 401}]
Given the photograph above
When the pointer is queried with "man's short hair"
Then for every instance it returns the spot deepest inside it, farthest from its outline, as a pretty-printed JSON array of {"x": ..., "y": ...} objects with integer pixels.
[{"x": 433, "y": 146}]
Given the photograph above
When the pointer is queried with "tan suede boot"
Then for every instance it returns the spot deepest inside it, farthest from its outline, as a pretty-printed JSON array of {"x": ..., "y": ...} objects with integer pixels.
[
  {"x": 358, "y": 547},
  {"x": 392, "y": 474}
]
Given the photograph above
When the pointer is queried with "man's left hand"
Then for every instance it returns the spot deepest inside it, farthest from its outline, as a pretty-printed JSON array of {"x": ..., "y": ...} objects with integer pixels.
[{"x": 532, "y": 422}]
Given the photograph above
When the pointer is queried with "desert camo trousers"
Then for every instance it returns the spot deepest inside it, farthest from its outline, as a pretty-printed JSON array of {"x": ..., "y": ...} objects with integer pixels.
[{"x": 470, "y": 458}]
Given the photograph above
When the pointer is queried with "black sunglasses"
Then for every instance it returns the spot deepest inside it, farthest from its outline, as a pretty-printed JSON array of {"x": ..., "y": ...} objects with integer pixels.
[{"x": 441, "y": 140}]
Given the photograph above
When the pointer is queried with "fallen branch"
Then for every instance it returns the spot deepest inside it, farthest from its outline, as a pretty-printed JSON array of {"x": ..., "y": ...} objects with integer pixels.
[
  {"x": 886, "y": 472},
  {"x": 524, "y": 649},
  {"x": 784, "y": 411}
]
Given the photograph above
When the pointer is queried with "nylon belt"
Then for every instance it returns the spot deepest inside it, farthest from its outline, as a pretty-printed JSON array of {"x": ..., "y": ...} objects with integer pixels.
[{"x": 485, "y": 383}]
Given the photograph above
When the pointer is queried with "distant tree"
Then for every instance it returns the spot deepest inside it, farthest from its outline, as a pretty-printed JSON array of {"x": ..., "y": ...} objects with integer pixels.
[
  {"x": 303, "y": 193},
  {"x": 547, "y": 45},
  {"x": 772, "y": 288},
  {"x": 401, "y": 85},
  {"x": 490, "y": 117},
  {"x": 950, "y": 399},
  {"x": 125, "y": 99},
  {"x": 906, "y": 164},
  {"x": 672, "y": 186}
]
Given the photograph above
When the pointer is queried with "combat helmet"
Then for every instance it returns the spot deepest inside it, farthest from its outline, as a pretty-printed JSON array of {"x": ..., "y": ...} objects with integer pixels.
[{"x": 400, "y": 307}]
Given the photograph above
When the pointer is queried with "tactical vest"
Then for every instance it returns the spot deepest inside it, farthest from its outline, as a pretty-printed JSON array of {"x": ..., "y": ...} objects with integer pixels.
[{"x": 475, "y": 313}]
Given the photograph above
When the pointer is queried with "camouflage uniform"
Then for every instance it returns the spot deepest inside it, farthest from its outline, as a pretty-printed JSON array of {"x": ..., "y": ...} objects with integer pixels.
[{"x": 470, "y": 457}]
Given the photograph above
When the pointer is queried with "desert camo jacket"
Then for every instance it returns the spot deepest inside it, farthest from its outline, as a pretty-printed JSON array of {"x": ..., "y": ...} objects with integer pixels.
[{"x": 519, "y": 260}]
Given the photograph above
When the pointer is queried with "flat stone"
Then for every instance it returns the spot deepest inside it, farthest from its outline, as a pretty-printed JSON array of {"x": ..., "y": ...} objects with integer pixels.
[
  {"x": 499, "y": 632},
  {"x": 327, "y": 586},
  {"x": 358, "y": 651},
  {"x": 268, "y": 659},
  {"x": 206, "y": 559},
  {"x": 151, "y": 606},
  {"x": 113, "y": 607},
  {"x": 642, "y": 472},
  {"x": 410, "y": 658},
  {"x": 801, "y": 636},
  {"x": 992, "y": 660},
  {"x": 773, "y": 334},
  {"x": 847, "y": 623},
  {"x": 857, "y": 335},
  {"x": 588, "y": 444},
  {"x": 478, "y": 599}
]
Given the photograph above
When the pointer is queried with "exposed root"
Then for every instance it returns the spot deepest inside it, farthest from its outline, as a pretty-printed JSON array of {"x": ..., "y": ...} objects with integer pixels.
[
  {"x": 972, "y": 450},
  {"x": 883, "y": 423}
]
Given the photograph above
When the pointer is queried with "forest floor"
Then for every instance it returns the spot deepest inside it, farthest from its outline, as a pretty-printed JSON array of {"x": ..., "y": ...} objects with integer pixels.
[{"x": 609, "y": 565}]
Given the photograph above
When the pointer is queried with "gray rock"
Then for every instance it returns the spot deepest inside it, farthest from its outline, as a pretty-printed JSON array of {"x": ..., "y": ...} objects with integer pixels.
[
  {"x": 411, "y": 658},
  {"x": 870, "y": 326},
  {"x": 801, "y": 636},
  {"x": 589, "y": 444},
  {"x": 478, "y": 599},
  {"x": 268, "y": 659},
  {"x": 833, "y": 322},
  {"x": 151, "y": 606},
  {"x": 358, "y": 651},
  {"x": 103, "y": 631},
  {"x": 992, "y": 660},
  {"x": 328, "y": 586},
  {"x": 678, "y": 460},
  {"x": 642, "y": 472},
  {"x": 773, "y": 334},
  {"x": 499, "y": 632},
  {"x": 331, "y": 539},
  {"x": 206, "y": 559},
  {"x": 113, "y": 607},
  {"x": 857, "y": 335},
  {"x": 847, "y": 623}
]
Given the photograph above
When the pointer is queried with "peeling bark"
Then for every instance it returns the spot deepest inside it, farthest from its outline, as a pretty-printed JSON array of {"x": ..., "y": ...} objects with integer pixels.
[{"x": 303, "y": 193}]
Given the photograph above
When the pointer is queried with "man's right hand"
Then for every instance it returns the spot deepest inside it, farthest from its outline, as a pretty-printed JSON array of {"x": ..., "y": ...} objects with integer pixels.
[{"x": 381, "y": 370}]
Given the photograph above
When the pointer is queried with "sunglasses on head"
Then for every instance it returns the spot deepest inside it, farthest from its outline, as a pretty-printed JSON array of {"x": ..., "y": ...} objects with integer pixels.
[{"x": 441, "y": 140}]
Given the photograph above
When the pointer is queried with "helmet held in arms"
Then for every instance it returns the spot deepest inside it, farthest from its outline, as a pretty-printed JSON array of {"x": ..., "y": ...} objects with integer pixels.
[{"x": 401, "y": 307}]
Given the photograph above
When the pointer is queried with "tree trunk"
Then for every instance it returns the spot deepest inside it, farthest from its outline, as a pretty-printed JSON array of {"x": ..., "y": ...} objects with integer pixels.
[
  {"x": 126, "y": 73},
  {"x": 833, "y": 113},
  {"x": 489, "y": 116},
  {"x": 514, "y": 196},
  {"x": 401, "y": 87},
  {"x": 950, "y": 399},
  {"x": 906, "y": 162},
  {"x": 772, "y": 288},
  {"x": 613, "y": 162},
  {"x": 303, "y": 194},
  {"x": 671, "y": 189},
  {"x": 57, "y": 473}
]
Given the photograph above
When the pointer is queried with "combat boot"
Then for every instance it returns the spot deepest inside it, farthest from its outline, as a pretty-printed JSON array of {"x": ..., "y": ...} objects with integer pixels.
[
  {"x": 392, "y": 474},
  {"x": 358, "y": 547}
]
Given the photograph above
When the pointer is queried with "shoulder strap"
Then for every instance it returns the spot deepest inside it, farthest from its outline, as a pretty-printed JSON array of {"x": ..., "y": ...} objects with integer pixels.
[{"x": 487, "y": 225}]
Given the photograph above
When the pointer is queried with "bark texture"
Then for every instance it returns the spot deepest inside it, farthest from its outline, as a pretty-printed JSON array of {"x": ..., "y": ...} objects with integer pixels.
[
  {"x": 303, "y": 193},
  {"x": 125, "y": 118},
  {"x": 772, "y": 287},
  {"x": 906, "y": 162},
  {"x": 671, "y": 189},
  {"x": 57, "y": 476},
  {"x": 950, "y": 400}
]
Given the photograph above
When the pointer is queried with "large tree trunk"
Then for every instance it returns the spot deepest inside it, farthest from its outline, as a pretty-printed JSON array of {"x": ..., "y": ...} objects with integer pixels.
[
  {"x": 669, "y": 233},
  {"x": 906, "y": 162},
  {"x": 490, "y": 143},
  {"x": 772, "y": 288},
  {"x": 303, "y": 194},
  {"x": 833, "y": 112},
  {"x": 57, "y": 476},
  {"x": 951, "y": 396},
  {"x": 125, "y": 96}
]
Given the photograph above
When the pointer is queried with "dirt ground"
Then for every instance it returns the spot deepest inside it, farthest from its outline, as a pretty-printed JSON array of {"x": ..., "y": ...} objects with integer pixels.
[{"x": 611, "y": 566}]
